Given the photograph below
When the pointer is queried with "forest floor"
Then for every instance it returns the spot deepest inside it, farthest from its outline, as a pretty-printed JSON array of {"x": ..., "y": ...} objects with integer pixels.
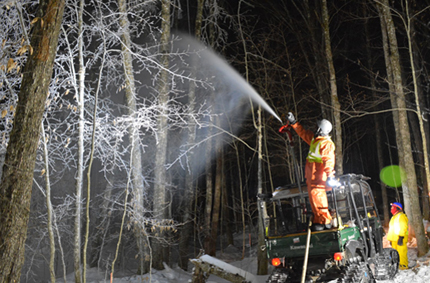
[{"x": 419, "y": 271}]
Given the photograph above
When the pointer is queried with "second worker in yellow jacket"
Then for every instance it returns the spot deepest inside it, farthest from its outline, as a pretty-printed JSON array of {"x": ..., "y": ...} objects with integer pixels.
[{"x": 398, "y": 233}]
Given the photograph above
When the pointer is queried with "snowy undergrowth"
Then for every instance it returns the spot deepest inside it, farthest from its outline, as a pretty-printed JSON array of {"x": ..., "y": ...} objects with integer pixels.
[{"x": 420, "y": 273}]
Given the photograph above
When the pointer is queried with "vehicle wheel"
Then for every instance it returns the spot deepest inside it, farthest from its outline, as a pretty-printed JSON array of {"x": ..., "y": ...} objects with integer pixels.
[
  {"x": 387, "y": 264},
  {"x": 279, "y": 275}
]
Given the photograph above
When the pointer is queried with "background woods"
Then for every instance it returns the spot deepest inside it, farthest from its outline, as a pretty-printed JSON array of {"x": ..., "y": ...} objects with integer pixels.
[{"x": 136, "y": 141}]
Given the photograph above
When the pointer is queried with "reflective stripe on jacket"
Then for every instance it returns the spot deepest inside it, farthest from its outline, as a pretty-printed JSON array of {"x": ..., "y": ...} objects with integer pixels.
[
  {"x": 314, "y": 152},
  {"x": 398, "y": 227},
  {"x": 321, "y": 147}
]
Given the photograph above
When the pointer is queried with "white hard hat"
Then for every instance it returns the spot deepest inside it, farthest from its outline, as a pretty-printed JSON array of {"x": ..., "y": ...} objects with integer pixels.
[{"x": 324, "y": 127}]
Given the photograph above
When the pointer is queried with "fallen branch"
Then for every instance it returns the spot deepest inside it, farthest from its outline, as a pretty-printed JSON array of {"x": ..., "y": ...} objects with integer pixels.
[{"x": 210, "y": 265}]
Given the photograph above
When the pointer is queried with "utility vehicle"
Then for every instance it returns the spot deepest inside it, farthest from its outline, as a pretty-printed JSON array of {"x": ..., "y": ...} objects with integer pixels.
[{"x": 350, "y": 251}]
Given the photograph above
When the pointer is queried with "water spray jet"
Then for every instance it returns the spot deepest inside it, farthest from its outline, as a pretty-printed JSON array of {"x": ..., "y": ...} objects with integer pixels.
[
  {"x": 242, "y": 84},
  {"x": 206, "y": 83}
]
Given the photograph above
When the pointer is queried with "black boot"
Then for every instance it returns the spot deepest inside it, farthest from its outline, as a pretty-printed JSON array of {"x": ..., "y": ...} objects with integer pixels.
[{"x": 317, "y": 227}]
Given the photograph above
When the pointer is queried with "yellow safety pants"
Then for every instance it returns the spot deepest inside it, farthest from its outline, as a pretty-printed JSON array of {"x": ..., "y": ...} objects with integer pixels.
[{"x": 403, "y": 253}]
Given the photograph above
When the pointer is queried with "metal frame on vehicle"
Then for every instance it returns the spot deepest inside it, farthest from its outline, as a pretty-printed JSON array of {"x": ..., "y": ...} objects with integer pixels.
[{"x": 355, "y": 236}]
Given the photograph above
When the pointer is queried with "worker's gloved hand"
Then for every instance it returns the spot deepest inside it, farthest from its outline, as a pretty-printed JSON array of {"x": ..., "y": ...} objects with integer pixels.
[
  {"x": 332, "y": 182},
  {"x": 284, "y": 128},
  {"x": 291, "y": 118},
  {"x": 400, "y": 241}
]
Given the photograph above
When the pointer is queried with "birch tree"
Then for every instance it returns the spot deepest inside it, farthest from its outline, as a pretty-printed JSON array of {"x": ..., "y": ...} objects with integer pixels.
[{"x": 80, "y": 91}]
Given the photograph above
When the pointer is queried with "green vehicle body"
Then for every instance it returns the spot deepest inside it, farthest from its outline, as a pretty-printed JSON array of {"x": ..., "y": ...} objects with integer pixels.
[
  {"x": 321, "y": 243},
  {"x": 355, "y": 236}
]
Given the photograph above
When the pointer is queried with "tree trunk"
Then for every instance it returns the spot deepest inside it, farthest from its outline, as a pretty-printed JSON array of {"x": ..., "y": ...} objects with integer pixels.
[
  {"x": 136, "y": 160},
  {"x": 393, "y": 101},
  {"x": 385, "y": 204},
  {"x": 211, "y": 248},
  {"x": 210, "y": 202},
  {"x": 418, "y": 106},
  {"x": 315, "y": 59},
  {"x": 159, "y": 202},
  {"x": 80, "y": 158},
  {"x": 412, "y": 205},
  {"x": 333, "y": 90},
  {"x": 226, "y": 212},
  {"x": 49, "y": 209},
  {"x": 319, "y": 70},
  {"x": 419, "y": 65},
  {"x": 261, "y": 256},
  {"x": 261, "y": 253},
  {"x": 209, "y": 192},
  {"x": 187, "y": 229},
  {"x": 242, "y": 204},
  {"x": 378, "y": 128},
  {"x": 17, "y": 177}
]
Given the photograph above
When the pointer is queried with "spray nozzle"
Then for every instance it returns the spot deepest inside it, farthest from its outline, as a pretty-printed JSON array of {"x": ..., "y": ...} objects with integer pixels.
[{"x": 284, "y": 128}]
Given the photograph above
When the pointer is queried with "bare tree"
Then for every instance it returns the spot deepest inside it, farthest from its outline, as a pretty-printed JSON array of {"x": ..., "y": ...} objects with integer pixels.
[
  {"x": 333, "y": 89},
  {"x": 80, "y": 91},
  {"x": 419, "y": 113},
  {"x": 49, "y": 208},
  {"x": 211, "y": 243},
  {"x": 136, "y": 161},
  {"x": 409, "y": 185},
  {"x": 160, "y": 186},
  {"x": 187, "y": 229}
]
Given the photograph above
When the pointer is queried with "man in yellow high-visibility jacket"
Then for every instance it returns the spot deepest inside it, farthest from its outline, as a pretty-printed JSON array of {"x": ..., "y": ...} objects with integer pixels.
[
  {"x": 319, "y": 168},
  {"x": 398, "y": 233}
]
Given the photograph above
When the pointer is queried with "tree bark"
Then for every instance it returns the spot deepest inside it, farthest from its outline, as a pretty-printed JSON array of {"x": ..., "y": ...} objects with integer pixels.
[
  {"x": 319, "y": 71},
  {"x": 80, "y": 158},
  {"x": 385, "y": 204},
  {"x": 209, "y": 192},
  {"x": 17, "y": 177},
  {"x": 136, "y": 154},
  {"x": 410, "y": 193},
  {"x": 226, "y": 212},
  {"x": 261, "y": 254},
  {"x": 378, "y": 128},
  {"x": 187, "y": 229},
  {"x": 211, "y": 248},
  {"x": 210, "y": 202},
  {"x": 337, "y": 126},
  {"x": 424, "y": 133},
  {"x": 49, "y": 208},
  {"x": 242, "y": 204},
  {"x": 159, "y": 202}
]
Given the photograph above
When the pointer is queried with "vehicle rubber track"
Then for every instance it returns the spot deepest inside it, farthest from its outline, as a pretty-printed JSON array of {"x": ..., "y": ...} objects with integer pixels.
[
  {"x": 356, "y": 273},
  {"x": 386, "y": 264},
  {"x": 279, "y": 275}
]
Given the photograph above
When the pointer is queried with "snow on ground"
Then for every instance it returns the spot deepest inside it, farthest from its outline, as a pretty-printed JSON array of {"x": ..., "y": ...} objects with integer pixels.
[
  {"x": 419, "y": 273},
  {"x": 419, "y": 269}
]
